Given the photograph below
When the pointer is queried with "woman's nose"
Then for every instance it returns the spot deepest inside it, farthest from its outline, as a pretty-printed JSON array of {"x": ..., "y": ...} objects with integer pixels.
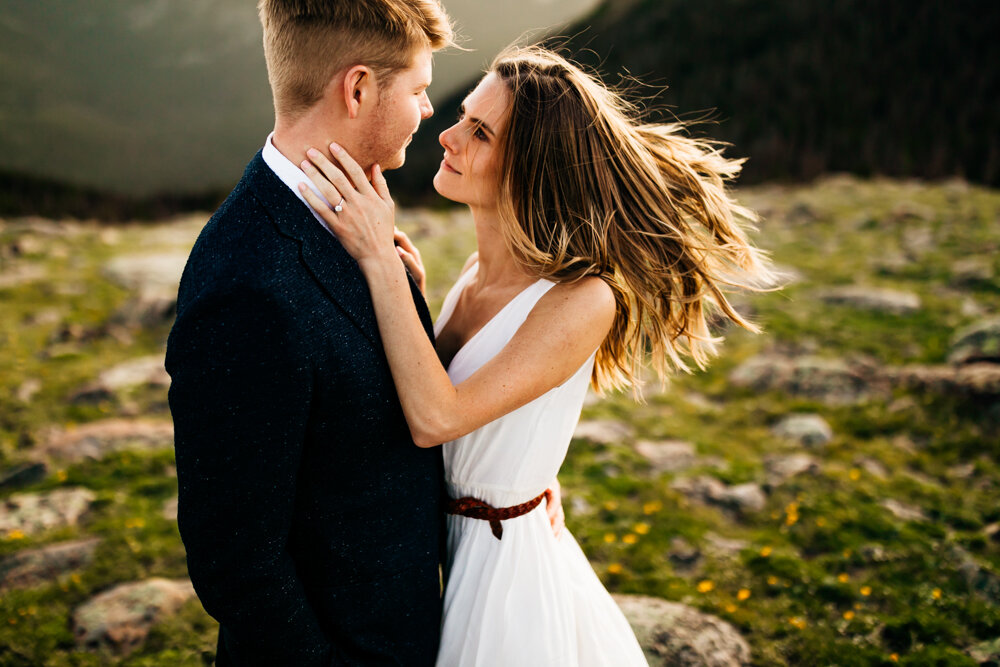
[{"x": 446, "y": 139}]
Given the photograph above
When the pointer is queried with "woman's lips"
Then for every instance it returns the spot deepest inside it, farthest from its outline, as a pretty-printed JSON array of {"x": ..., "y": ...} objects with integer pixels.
[{"x": 448, "y": 167}]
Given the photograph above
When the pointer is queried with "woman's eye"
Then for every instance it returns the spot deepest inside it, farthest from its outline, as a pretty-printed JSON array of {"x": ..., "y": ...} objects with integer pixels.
[{"x": 479, "y": 134}]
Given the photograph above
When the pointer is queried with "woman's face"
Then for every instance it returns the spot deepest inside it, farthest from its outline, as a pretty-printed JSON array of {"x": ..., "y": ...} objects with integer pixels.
[{"x": 468, "y": 173}]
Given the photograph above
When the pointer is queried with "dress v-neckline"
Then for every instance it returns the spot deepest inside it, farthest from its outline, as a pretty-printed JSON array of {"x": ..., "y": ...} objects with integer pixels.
[{"x": 474, "y": 269}]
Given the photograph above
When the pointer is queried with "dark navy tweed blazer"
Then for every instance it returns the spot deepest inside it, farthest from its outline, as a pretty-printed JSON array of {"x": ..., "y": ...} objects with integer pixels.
[{"x": 312, "y": 523}]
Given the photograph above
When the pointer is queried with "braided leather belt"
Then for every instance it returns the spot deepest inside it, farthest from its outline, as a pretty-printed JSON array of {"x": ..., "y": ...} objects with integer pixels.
[{"x": 477, "y": 509}]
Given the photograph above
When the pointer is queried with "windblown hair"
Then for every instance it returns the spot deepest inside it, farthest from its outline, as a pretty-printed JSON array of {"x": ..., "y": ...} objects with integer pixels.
[
  {"x": 587, "y": 188},
  {"x": 306, "y": 42}
]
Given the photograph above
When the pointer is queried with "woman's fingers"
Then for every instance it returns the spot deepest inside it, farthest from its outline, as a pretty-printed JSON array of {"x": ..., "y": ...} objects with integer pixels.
[
  {"x": 325, "y": 174},
  {"x": 378, "y": 182},
  {"x": 325, "y": 212},
  {"x": 414, "y": 266},
  {"x": 353, "y": 170}
]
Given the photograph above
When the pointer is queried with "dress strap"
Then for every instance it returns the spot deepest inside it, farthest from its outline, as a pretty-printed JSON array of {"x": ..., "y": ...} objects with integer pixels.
[{"x": 478, "y": 509}]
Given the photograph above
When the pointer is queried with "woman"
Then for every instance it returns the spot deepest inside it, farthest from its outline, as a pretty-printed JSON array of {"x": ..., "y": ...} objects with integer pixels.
[{"x": 600, "y": 240}]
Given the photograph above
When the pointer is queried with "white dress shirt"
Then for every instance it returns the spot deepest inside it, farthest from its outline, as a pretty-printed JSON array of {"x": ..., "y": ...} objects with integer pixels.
[{"x": 291, "y": 175}]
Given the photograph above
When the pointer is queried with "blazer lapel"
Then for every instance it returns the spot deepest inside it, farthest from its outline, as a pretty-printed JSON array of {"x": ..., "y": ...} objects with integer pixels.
[{"x": 332, "y": 266}]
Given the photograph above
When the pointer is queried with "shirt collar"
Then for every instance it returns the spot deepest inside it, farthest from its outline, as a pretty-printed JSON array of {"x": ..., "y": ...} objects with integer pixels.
[{"x": 290, "y": 175}]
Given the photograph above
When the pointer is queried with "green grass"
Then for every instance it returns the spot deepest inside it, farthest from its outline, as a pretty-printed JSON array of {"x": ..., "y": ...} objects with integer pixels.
[{"x": 828, "y": 576}]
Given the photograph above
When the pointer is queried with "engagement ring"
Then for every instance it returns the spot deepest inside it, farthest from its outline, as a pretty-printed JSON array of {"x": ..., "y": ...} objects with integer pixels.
[{"x": 339, "y": 207}]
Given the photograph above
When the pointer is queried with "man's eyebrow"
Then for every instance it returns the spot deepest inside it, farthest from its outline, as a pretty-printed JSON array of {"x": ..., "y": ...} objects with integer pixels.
[{"x": 477, "y": 121}]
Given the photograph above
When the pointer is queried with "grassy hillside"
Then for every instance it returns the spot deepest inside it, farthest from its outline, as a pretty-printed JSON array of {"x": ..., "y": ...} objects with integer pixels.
[{"x": 875, "y": 543}]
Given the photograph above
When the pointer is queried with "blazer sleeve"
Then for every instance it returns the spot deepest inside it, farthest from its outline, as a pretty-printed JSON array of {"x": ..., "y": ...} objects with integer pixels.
[{"x": 240, "y": 399}]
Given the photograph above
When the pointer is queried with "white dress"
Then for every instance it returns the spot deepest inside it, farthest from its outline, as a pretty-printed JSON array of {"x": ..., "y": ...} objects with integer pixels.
[{"x": 528, "y": 598}]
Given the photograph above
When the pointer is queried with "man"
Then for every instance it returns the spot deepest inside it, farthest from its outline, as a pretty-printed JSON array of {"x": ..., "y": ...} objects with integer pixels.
[{"x": 313, "y": 525}]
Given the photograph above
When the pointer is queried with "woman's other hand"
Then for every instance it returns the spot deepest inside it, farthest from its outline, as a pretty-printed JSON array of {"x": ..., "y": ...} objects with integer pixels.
[
  {"x": 361, "y": 213},
  {"x": 554, "y": 508},
  {"x": 411, "y": 259}
]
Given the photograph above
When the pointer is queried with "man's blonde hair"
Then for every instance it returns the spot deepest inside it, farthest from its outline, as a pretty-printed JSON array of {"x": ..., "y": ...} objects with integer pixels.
[{"x": 306, "y": 42}]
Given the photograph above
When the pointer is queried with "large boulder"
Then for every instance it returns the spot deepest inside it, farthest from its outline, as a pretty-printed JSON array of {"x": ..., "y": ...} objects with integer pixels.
[
  {"x": 968, "y": 379},
  {"x": 33, "y": 513},
  {"x": 95, "y": 440},
  {"x": 32, "y": 567},
  {"x": 832, "y": 381},
  {"x": 677, "y": 635},
  {"x": 122, "y": 616},
  {"x": 153, "y": 280}
]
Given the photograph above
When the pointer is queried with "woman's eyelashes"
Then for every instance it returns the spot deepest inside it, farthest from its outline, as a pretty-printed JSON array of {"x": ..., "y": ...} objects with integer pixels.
[{"x": 477, "y": 131}]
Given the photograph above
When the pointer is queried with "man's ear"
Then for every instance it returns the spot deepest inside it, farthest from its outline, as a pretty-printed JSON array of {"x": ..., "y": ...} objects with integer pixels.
[{"x": 358, "y": 89}]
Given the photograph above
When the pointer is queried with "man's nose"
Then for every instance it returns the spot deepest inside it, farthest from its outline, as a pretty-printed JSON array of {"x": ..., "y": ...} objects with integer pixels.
[{"x": 427, "y": 110}]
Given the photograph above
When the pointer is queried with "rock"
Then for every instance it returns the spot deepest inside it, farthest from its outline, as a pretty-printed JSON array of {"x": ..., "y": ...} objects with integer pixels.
[
  {"x": 903, "y": 511},
  {"x": 169, "y": 511},
  {"x": 981, "y": 378},
  {"x": 677, "y": 635},
  {"x": 832, "y": 381},
  {"x": 724, "y": 546},
  {"x": 122, "y": 616},
  {"x": 95, "y": 440},
  {"x": 978, "y": 342},
  {"x": 986, "y": 654},
  {"x": 781, "y": 468},
  {"x": 873, "y": 468},
  {"x": 981, "y": 580},
  {"x": 741, "y": 498},
  {"x": 667, "y": 455},
  {"x": 684, "y": 555},
  {"x": 603, "y": 432},
  {"x": 578, "y": 506},
  {"x": 910, "y": 211},
  {"x": 149, "y": 307},
  {"x": 21, "y": 274},
  {"x": 971, "y": 271},
  {"x": 22, "y": 475},
  {"x": 137, "y": 272},
  {"x": 33, "y": 513},
  {"x": 880, "y": 300},
  {"x": 143, "y": 371},
  {"x": 37, "y": 566},
  {"x": 809, "y": 430},
  {"x": 27, "y": 390}
]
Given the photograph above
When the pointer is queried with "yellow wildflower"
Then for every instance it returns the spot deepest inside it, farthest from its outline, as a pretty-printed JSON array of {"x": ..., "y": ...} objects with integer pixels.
[
  {"x": 866, "y": 590},
  {"x": 75, "y": 578},
  {"x": 135, "y": 522},
  {"x": 641, "y": 528},
  {"x": 705, "y": 586},
  {"x": 772, "y": 580},
  {"x": 652, "y": 507},
  {"x": 765, "y": 551},
  {"x": 894, "y": 657},
  {"x": 857, "y": 605},
  {"x": 797, "y": 622},
  {"x": 61, "y": 475},
  {"x": 847, "y": 553},
  {"x": 936, "y": 593},
  {"x": 848, "y": 614},
  {"x": 630, "y": 538},
  {"x": 743, "y": 594},
  {"x": 854, "y": 474},
  {"x": 615, "y": 568},
  {"x": 791, "y": 508},
  {"x": 610, "y": 505},
  {"x": 843, "y": 577},
  {"x": 791, "y": 518},
  {"x": 820, "y": 521},
  {"x": 609, "y": 537},
  {"x": 15, "y": 534},
  {"x": 730, "y": 607}
]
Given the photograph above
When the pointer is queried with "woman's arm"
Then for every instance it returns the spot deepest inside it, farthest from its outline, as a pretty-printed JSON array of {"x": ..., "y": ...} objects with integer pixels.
[{"x": 559, "y": 335}]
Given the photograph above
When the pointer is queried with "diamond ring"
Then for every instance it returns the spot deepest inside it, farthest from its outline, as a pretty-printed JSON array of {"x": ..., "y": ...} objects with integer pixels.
[{"x": 339, "y": 207}]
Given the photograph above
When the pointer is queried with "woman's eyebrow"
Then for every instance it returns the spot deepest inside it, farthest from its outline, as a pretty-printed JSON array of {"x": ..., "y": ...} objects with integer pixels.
[{"x": 477, "y": 121}]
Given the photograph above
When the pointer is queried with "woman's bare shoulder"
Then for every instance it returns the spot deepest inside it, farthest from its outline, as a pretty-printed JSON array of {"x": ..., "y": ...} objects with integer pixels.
[
  {"x": 588, "y": 300},
  {"x": 473, "y": 258}
]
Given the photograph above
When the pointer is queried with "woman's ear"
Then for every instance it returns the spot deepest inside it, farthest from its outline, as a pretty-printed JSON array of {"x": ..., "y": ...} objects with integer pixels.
[{"x": 358, "y": 89}]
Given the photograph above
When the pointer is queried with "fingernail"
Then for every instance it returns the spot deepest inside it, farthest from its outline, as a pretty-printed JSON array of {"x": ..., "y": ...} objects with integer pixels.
[
  {"x": 305, "y": 164},
  {"x": 335, "y": 147},
  {"x": 312, "y": 152}
]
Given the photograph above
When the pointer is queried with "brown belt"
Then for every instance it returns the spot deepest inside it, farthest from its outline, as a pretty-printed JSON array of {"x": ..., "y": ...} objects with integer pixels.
[{"x": 477, "y": 509}]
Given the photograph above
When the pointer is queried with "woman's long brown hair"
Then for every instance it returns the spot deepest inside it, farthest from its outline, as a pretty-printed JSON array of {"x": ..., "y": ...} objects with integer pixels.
[{"x": 587, "y": 188}]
